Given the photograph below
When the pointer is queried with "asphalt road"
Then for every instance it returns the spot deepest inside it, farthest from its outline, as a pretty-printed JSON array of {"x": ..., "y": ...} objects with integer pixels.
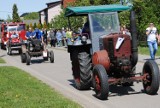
[{"x": 59, "y": 76}]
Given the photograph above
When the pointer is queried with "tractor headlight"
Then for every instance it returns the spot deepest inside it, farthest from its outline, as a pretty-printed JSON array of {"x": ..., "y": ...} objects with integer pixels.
[
  {"x": 84, "y": 39},
  {"x": 30, "y": 47}
]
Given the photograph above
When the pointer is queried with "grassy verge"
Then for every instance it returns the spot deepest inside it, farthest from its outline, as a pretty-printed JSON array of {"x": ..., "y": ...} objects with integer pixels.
[
  {"x": 2, "y": 61},
  {"x": 145, "y": 51},
  {"x": 20, "y": 90}
]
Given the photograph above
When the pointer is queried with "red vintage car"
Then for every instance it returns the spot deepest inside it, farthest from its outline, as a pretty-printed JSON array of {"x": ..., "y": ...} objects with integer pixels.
[{"x": 10, "y": 42}]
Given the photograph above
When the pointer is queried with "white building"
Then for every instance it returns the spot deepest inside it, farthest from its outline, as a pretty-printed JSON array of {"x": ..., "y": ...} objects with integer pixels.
[{"x": 53, "y": 9}]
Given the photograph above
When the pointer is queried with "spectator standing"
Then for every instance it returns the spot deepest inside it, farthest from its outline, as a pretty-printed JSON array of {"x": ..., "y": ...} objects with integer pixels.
[
  {"x": 68, "y": 35},
  {"x": 64, "y": 37},
  {"x": 53, "y": 38},
  {"x": 152, "y": 34},
  {"x": 59, "y": 38},
  {"x": 44, "y": 33}
]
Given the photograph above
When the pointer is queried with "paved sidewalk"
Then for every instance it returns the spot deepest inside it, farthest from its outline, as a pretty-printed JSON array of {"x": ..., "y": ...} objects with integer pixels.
[{"x": 143, "y": 58}]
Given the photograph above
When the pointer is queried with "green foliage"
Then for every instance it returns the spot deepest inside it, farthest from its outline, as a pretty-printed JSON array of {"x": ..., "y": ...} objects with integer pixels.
[
  {"x": 39, "y": 26},
  {"x": 49, "y": 25},
  {"x": 44, "y": 25},
  {"x": 147, "y": 11},
  {"x": 34, "y": 26},
  {"x": 9, "y": 19},
  {"x": 31, "y": 16},
  {"x": 15, "y": 15},
  {"x": 59, "y": 21},
  {"x": 27, "y": 26},
  {"x": 30, "y": 25}
]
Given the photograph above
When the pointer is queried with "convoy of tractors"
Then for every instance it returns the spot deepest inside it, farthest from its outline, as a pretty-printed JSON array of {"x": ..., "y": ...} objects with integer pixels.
[
  {"x": 13, "y": 39},
  {"x": 102, "y": 58}
]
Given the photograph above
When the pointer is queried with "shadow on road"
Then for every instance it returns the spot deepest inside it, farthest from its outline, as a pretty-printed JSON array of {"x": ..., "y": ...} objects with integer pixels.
[
  {"x": 121, "y": 90},
  {"x": 3, "y": 55},
  {"x": 35, "y": 61},
  {"x": 72, "y": 83}
]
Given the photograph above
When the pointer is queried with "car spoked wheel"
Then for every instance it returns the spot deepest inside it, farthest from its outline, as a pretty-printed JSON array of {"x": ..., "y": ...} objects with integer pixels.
[
  {"x": 151, "y": 80},
  {"x": 100, "y": 82}
]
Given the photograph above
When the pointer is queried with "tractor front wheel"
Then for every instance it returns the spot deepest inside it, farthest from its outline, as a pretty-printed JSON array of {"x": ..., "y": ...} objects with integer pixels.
[
  {"x": 9, "y": 51},
  {"x": 100, "y": 82},
  {"x": 28, "y": 59},
  {"x": 151, "y": 80}
]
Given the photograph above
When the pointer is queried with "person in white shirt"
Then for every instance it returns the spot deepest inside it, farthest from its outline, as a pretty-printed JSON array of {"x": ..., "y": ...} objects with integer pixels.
[{"x": 152, "y": 34}]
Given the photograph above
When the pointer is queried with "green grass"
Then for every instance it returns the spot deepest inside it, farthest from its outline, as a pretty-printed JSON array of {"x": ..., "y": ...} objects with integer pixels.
[
  {"x": 145, "y": 51},
  {"x": 2, "y": 61},
  {"x": 20, "y": 90}
]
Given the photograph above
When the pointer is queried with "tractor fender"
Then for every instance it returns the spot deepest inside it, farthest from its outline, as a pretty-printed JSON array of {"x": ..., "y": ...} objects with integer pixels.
[{"x": 101, "y": 57}]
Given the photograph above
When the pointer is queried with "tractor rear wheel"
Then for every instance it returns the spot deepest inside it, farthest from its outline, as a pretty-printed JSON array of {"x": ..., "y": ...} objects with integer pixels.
[
  {"x": 81, "y": 66},
  {"x": 151, "y": 82},
  {"x": 28, "y": 59},
  {"x": 51, "y": 57},
  {"x": 23, "y": 57},
  {"x": 100, "y": 82}
]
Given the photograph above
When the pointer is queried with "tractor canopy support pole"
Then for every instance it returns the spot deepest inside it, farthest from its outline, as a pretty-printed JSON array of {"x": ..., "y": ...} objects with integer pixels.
[
  {"x": 69, "y": 23},
  {"x": 134, "y": 38}
]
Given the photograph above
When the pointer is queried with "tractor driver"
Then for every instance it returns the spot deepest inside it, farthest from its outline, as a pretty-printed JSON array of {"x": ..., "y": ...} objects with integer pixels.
[
  {"x": 38, "y": 35},
  {"x": 14, "y": 35},
  {"x": 29, "y": 34}
]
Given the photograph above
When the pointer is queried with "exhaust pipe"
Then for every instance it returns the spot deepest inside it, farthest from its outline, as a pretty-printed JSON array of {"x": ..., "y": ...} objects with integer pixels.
[{"x": 134, "y": 38}]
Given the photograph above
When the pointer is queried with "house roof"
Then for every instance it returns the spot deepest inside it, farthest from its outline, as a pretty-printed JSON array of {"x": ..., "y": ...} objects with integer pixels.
[
  {"x": 55, "y": 1},
  {"x": 84, "y": 10},
  {"x": 50, "y": 3}
]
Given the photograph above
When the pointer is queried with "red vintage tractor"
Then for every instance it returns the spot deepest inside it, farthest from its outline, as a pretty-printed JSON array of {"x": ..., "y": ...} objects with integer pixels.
[
  {"x": 8, "y": 41},
  {"x": 107, "y": 56}
]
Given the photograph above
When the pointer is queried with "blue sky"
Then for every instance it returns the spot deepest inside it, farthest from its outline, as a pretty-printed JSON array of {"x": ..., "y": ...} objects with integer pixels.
[{"x": 22, "y": 5}]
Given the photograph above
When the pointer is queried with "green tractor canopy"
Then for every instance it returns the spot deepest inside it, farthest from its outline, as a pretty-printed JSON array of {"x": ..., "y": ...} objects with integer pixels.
[{"x": 84, "y": 10}]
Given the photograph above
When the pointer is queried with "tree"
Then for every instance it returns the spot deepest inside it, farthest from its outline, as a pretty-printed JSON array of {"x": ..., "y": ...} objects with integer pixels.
[
  {"x": 34, "y": 26},
  {"x": 31, "y": 16},
  {"x": 9, "y": 19},
  {"x": 27, "y": 26},
  {"x": 15, "y": 15},
  {"x": 30, "y": 25},
  {"x": 39, "y": 26},
  {"x": 44, "y": 25}
]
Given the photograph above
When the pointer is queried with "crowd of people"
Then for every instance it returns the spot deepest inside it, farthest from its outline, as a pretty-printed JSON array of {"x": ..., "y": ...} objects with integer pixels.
[
  {"x": 54, "y": 37},
  {"x": 59, "y": 37}
]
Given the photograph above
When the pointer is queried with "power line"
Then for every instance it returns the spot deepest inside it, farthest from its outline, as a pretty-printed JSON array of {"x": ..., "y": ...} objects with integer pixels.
[{"x": 12, "y": 12}]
